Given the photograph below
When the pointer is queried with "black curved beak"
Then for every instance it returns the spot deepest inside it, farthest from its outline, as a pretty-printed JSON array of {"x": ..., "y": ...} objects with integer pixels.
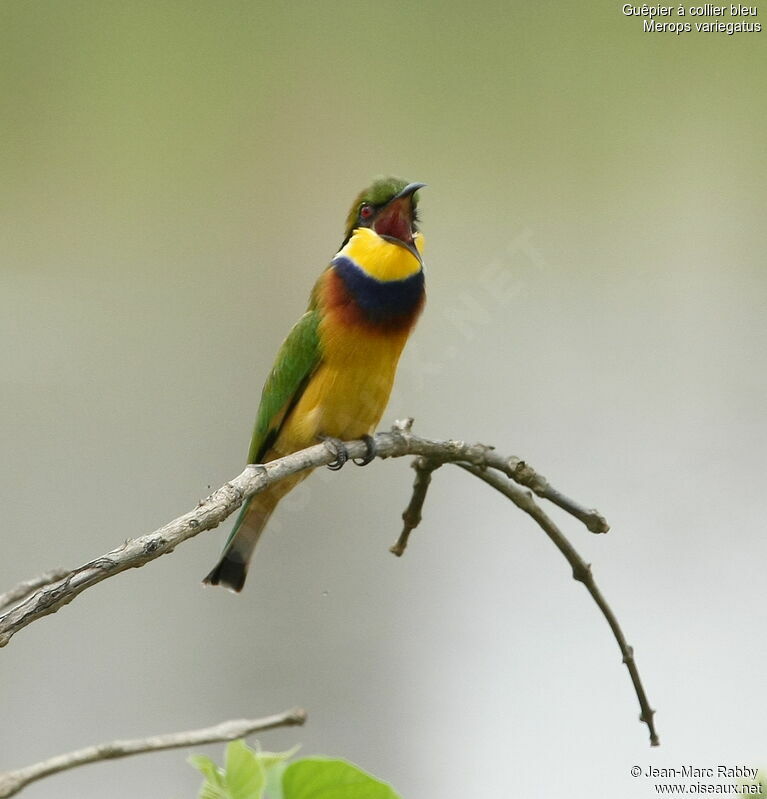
[{"x": 409, "y": 190}]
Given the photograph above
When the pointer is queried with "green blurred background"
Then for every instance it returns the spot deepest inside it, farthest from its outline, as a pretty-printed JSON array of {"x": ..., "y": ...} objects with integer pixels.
[{"x": 173, "y": 176}]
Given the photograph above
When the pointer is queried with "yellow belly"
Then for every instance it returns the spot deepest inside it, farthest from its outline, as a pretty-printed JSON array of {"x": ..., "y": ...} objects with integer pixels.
[{"x": 348, "y": 393}]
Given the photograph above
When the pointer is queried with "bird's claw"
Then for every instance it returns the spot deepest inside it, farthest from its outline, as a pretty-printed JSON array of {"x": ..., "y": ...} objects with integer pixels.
[
  {"x": 338, "y": 448},
  {"x": 372, "y": 451}
]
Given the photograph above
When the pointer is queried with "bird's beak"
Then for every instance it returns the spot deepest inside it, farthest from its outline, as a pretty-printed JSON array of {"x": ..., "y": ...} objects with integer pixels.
[
  {"x": 394, "y": 221},
  {"x": 408, "y": 191}
]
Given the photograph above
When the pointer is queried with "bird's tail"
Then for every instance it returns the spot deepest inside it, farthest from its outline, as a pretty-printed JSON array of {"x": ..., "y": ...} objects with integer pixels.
[{"x": 232, "y": 569}]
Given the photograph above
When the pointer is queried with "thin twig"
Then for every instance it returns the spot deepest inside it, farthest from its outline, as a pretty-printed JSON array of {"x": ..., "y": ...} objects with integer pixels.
[
  {"x": 524, "y": 474},
  {"x": 25, "y": 588},
  {"x": 11, "y": 782},
  {"x": 581, "y": 572},
  {"x": 411, "y": 516}
]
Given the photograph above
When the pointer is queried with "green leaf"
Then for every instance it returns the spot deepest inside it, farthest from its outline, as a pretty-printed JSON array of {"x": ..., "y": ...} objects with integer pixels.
[
  {"x": 274, "y": 781},
  {"x": 274, "y": 765},
  {"x": 208, "y": 791},
  {"x": 205, "y": 765},
  {"x": 326, "y": 778},
  {"x": 214, "y": 786},
  {"x": 270, "y": 759},
  {"x": 245, "y": 777}
]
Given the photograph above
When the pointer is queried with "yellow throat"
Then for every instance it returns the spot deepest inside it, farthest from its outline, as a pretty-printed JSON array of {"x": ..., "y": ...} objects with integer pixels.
[{"x": 382, "y": 259}]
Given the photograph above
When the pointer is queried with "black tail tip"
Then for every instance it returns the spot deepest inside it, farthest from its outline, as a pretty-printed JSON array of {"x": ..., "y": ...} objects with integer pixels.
[{"x": 230, "y": 572}]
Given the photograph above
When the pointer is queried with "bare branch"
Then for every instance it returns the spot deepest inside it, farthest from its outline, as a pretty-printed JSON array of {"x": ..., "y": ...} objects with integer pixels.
[
  {"x": 482, "y": 461},
  {"x": 25, "y": 588},
  {"x": 212, "y": 511},
  {"x": 411, "y": 516},
  {"x": 581, "y": 572},
  {"x": 11, "y": 782}
]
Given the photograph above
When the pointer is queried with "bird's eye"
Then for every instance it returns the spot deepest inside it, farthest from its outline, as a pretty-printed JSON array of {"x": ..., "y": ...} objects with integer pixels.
[{"x": 366, "y": 211}]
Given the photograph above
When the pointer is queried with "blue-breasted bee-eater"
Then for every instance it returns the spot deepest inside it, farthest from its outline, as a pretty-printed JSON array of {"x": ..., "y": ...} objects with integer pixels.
[{"x": 333, "y": 374}]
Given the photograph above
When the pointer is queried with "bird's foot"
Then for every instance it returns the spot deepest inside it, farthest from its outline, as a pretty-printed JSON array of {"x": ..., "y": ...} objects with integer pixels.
[
  {"x": 338, "y": 448},
  {"x": 372, "y": 451}
]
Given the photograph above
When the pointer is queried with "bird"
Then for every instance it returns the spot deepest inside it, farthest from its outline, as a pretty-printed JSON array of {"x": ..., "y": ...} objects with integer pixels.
[{"x": 333, "y": 374}]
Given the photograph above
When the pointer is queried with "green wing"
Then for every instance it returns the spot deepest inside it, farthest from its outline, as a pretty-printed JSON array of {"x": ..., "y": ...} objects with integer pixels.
[{"x": 298, "y": 357}]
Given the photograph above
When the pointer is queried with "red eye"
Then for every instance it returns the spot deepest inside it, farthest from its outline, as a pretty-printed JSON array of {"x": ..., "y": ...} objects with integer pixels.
[{"x": 366, "y": 212}]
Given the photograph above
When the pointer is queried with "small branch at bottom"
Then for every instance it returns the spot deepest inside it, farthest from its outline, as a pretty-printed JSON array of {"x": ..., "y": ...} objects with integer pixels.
[{"x": 11, "y": 782}]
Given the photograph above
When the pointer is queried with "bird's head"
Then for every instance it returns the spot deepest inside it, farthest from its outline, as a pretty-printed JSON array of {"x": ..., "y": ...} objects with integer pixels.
[{"x": 389, "y": 208}]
